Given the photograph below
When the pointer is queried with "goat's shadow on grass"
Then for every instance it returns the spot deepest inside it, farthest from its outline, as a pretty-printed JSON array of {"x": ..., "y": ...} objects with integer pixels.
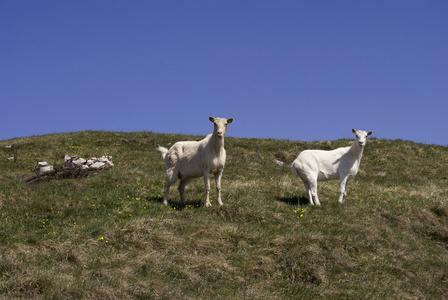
[
  {"x": 177, "y": 205},
  {"x": 294, "y": 200},
  {"x": 180, "y": 205}
]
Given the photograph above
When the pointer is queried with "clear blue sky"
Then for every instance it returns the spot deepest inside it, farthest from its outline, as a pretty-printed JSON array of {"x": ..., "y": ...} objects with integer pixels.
[{"x": 300, "y": 70}]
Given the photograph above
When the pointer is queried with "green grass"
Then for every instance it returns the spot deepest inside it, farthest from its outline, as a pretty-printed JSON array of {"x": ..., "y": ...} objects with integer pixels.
[{"x": 108, "y": 235}]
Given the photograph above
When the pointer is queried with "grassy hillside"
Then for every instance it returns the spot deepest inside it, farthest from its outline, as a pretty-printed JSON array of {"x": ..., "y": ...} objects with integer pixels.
[{"x": 108, "y": 236}]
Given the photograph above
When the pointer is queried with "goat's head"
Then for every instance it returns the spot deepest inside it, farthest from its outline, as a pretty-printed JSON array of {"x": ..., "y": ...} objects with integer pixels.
[
  {"x": 361, "y": 137},
  {"x": 220, "y": 125}
]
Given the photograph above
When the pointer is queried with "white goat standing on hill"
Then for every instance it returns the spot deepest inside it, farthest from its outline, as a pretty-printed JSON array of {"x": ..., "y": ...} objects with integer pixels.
[
  {"x": 188, "y": 160},
  {"x": 320, "y": 165}
]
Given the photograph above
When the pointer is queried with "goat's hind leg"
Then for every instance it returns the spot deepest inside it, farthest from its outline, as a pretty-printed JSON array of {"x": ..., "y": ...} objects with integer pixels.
[
  {"x": 312, "y": 192},
  {"x": 171, "y": 178},
  {"x": 311, "y": 188},
  {"x": 308, "y": 192}
]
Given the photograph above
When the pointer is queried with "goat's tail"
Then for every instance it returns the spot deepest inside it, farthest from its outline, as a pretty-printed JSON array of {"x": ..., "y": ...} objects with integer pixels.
[
  {"x": 163, "y": 150},
  {"x": 294, "y": 170}
]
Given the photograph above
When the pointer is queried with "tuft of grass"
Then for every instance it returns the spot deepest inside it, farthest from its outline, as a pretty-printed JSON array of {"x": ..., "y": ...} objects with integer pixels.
[{"x": 108, "y": 235}]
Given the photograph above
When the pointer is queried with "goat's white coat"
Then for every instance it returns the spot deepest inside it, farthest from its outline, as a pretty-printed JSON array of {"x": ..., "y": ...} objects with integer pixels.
[
  {"x": 188, "y": 160},
  {"x": 312, "y": 166}
]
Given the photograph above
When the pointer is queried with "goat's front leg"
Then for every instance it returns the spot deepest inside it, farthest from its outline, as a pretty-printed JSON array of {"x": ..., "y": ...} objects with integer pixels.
[
  {"x": 181, "y": 189},
  {"x": 343, "y": 188},
  {"x": 207, "y": 188},
  {"x": 218, "y": 186}
]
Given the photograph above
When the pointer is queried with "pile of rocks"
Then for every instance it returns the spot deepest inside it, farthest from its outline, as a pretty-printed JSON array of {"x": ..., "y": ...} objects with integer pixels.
[{"x": 93, "y": 163}]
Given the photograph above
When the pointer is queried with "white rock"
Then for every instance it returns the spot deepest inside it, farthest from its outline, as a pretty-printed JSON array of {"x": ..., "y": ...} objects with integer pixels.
[
  {"x": 42, "y": 164},
  {"x": 103, "y": 159},
  {"x": 279, "y": 162},
  {"x": 45, "y": 168},
  {"x": 97, "y": 165},
  {"x": 80, "y": 161}
]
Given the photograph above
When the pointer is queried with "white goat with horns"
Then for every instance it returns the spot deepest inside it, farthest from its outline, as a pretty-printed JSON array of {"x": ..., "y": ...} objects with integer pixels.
[
  {"x": 188, "y": 160},
  {"x": 320, "y": 165}
]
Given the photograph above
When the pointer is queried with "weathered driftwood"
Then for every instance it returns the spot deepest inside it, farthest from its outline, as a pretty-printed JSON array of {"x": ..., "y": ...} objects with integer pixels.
[{"x": 57, "y": 173}]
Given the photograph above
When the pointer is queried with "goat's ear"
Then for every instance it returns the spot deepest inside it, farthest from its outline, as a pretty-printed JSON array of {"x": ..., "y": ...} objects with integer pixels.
[
  {"x": 211, "y": 119},
  {"x": 229, "y": 120},
  {"x": 369, "y": 133},
  {"x": 354, "y": 131}
]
